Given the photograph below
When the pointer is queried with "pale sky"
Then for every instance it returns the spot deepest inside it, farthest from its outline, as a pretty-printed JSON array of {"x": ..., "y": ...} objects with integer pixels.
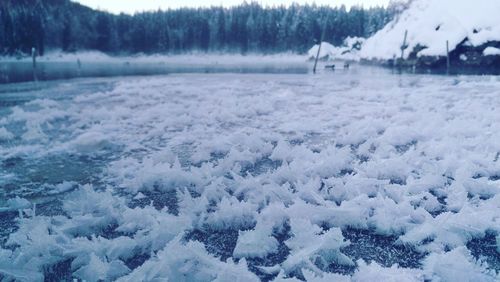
[{"x": 131, "y": 6}]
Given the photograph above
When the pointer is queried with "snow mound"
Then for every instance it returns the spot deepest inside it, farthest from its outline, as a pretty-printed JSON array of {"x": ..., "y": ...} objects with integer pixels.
[
  {"x": 431, "y": 23},
  {"x": 491, "y": 51},
  {"x": 326, "y": 50},
  {"x": 348, "y": 50}
]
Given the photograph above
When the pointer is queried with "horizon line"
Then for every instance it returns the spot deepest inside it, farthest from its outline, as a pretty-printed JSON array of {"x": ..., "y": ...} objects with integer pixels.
[{"x": 244, "y": 3}]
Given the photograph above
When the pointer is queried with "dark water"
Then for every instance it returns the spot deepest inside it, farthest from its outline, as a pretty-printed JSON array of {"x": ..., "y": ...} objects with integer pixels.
[{"x": 13, "y": 72}]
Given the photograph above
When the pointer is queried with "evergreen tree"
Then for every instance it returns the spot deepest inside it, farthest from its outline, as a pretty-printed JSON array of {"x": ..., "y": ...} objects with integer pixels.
[{"x": 62, "y": 24}]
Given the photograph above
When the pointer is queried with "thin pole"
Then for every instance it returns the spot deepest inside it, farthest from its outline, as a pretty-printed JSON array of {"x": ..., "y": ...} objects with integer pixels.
[
  {"x": 319, "y": 47},
  {"x": 447, "y": 57},
  {"x": 394, "y": 60},
  {"x": 404, "y": 46},
  {"x": 33, "y": 55}
]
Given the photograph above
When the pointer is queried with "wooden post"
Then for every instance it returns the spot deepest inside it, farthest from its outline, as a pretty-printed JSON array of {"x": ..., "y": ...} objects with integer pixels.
[
  {"x": 79, "y": 64},
  {"x": 33, "y": 56},
  {"x": 447, "y": 57},
  {"x": 317, "y": 57},
  {"x": 404, "y": 46},
  {"x": 319, "y": 47}
]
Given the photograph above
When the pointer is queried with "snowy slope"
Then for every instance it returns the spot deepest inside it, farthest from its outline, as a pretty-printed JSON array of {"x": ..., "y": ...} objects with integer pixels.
[{"x": 431, "y": 22}]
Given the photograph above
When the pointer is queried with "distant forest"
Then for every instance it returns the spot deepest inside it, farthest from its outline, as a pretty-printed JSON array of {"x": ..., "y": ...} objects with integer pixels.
[{"x": 69, "y": 26}]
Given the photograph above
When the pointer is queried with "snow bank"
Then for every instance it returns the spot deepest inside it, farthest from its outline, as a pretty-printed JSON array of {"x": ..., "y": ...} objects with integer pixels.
[
  {"x": 183, "y": 59},
  {"x": 348, "y": 51},
  {"x": 491, "y": 51},
  {"x": 326, "y": 50},
  {"x": 431, "y": 23},
  {"x": 63, "y": 57}
]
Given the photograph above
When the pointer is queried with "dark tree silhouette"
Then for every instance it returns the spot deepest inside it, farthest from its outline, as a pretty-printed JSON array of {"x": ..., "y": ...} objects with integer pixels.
[{"x": 66, "y": 25}]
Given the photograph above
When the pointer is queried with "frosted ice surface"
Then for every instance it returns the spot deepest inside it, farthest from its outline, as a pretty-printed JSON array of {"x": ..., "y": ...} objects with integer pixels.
[{"x": 355, "y": 176}]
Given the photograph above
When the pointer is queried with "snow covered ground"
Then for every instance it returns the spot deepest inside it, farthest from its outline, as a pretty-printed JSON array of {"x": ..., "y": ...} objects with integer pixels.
[
  {"x": 430, "y": 23},
  {"x": 471, "y": 28},
  {"x": 348, "y": 51},
  {"x": 358, "y": 175}
]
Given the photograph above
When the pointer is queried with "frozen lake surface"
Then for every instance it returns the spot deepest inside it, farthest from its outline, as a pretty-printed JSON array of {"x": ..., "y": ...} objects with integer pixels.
[
  {"x": 357, "y": 174},
  {"x": 75, "y": 66}
]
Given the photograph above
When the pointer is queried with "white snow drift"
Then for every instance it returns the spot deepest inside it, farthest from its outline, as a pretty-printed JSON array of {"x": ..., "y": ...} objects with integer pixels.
[
  {"x": 348, "y": 51},
  {"x": 430, "y": 23}
]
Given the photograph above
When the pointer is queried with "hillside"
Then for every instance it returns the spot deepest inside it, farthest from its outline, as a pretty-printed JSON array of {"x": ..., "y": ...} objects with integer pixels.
[{"x": 470, "y": 27}]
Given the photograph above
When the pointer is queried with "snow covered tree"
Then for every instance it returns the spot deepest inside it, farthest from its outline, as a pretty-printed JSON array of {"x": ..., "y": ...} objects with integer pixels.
[{"x": 62, "y": 24}]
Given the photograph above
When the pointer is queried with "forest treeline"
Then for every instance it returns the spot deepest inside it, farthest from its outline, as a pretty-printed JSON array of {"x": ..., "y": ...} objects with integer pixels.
[{"x": 69, "y": 26}]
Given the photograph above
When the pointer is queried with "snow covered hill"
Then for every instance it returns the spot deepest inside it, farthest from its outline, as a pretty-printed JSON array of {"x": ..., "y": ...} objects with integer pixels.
[{"x": 430, "y": 23}]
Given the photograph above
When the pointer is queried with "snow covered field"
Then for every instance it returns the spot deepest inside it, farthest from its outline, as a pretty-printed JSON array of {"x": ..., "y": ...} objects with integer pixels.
[{"x": 360, "y": 175}]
